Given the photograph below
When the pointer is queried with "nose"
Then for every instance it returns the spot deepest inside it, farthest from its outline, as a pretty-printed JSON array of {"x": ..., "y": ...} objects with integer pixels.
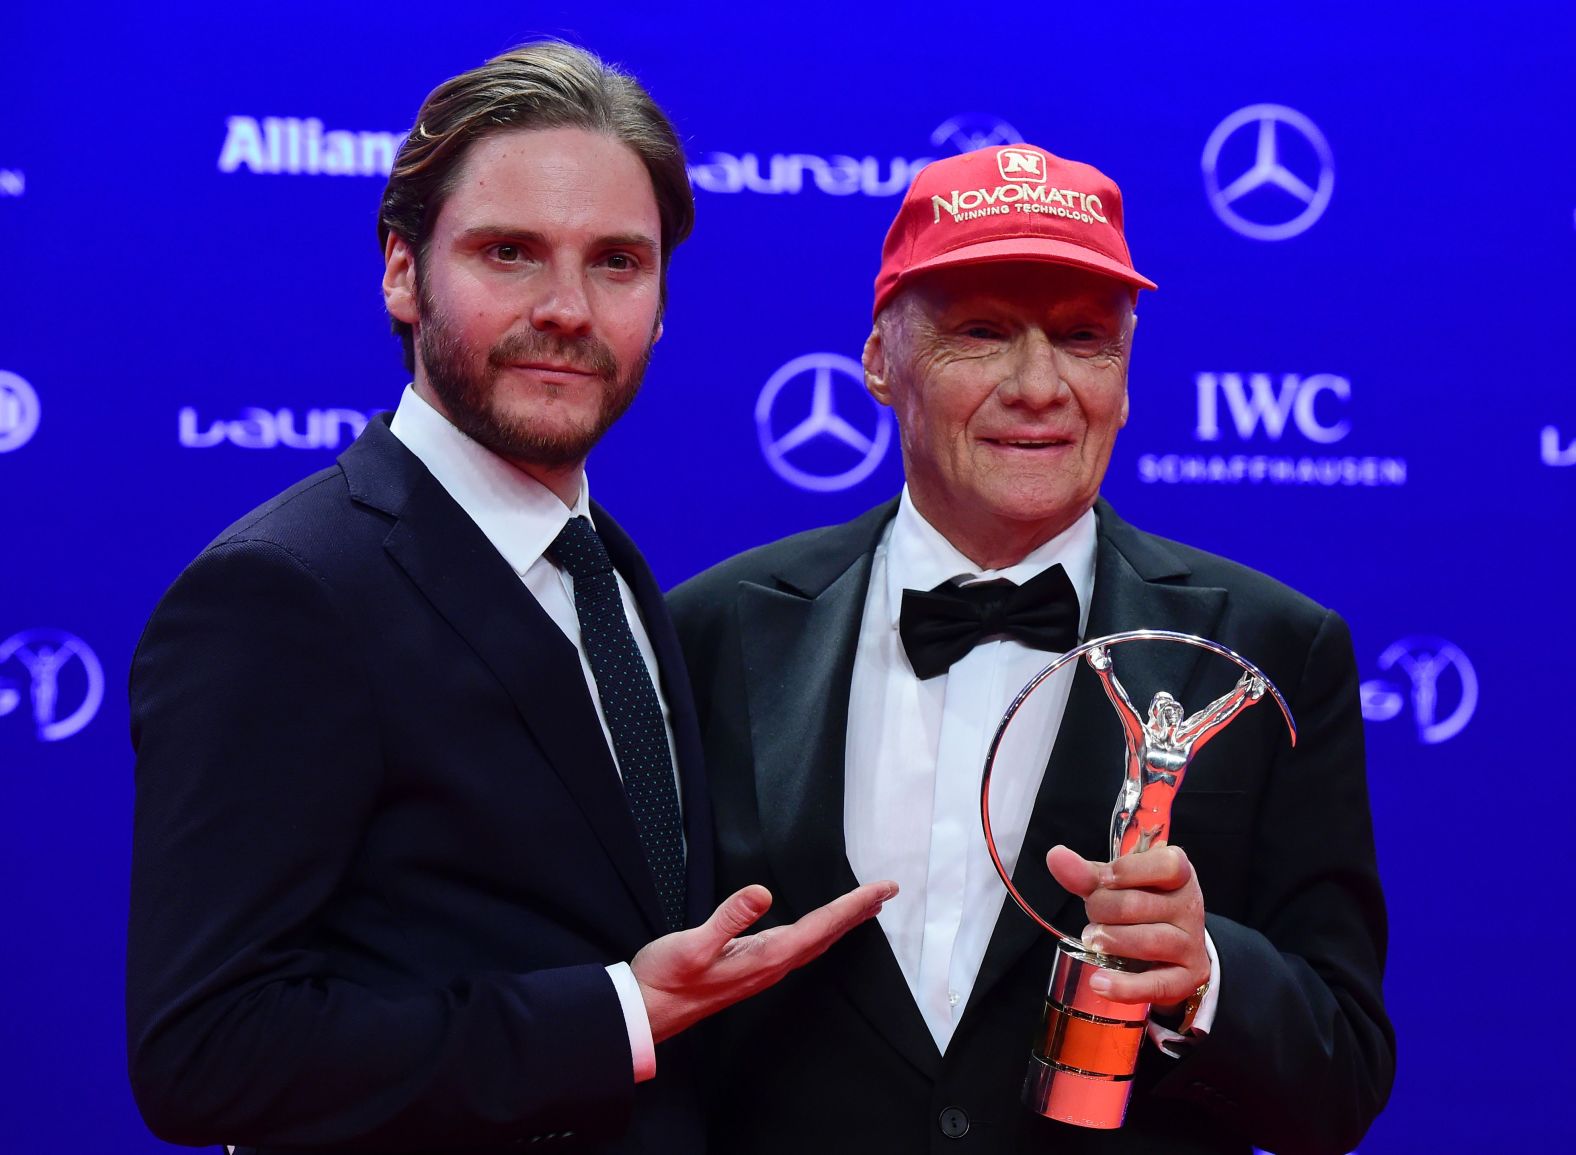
[
  {"x": 1036, "y": 380},
  {"x": 560, "y": 303}
]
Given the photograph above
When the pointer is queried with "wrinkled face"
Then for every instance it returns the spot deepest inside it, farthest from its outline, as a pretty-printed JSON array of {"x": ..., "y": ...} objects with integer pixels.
[
  {"x": 1009, "y": 383},
  {"x": 537, "y": 299}
]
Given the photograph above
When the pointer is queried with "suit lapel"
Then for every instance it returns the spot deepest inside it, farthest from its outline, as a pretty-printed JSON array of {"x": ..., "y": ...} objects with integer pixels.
[
  {"x": 799, "y": 655},
  {"x": 1138, "y": 585},
  {"x": 800, "y": 635},
  {"x": 481, "y": 597}
]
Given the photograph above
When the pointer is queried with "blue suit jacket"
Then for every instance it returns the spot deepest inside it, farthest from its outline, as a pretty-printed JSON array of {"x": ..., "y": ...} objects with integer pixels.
[{"x": 382, "y": 854}]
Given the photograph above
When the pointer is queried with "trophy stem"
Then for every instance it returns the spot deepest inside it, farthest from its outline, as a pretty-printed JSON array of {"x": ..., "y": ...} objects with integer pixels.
[{"x": 1083, "y": 1061}]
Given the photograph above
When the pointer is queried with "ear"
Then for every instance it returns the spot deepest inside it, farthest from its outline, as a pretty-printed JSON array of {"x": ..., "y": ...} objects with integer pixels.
[
  {"x": 874, "y": 359},
  {"x": 656, "y": 334},
  {"x": 399, "y": 281},
  {"x": 1132, "y": 327}
]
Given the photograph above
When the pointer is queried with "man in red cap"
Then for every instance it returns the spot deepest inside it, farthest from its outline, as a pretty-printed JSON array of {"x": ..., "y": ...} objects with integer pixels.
[{"x": 845, "y": 732}]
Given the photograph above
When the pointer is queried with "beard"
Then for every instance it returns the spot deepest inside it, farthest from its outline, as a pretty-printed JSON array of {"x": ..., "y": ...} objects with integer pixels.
[{"x": 466, "y": 384}]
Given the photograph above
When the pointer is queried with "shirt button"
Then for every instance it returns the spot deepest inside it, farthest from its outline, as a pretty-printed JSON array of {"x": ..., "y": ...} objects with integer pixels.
[
  {"x": 952, "y": 998},
  {"x": 954, "y": 1123}
]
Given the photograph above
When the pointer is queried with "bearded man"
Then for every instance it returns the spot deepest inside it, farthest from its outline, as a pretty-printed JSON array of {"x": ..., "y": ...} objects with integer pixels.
[{"x": 423, "y": 854}]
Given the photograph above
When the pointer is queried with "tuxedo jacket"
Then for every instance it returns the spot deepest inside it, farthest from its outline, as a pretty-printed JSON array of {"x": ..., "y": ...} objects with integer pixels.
[
  {"x": 837, "y": 1058},
  {"x": 382, "y": 854}
]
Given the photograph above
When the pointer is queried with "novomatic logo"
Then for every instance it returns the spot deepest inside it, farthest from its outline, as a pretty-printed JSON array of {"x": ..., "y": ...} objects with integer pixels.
[
  {"x": 53, "y": 678},
  {"x": 19, "y": 412},
  {"x": 1553, "y": 452},
  {"x": 1028, "y": 195},
  {"x": 818, "y": 427},
  {"x": 293, "y": 146},
  {"x": 1431, "y": 675},
  {"x": 1021, "y": 164},
  {"x": 842, "y": 174},
  {"x": 1258, "y": 420},
  {"x": 272, "y": 428}
]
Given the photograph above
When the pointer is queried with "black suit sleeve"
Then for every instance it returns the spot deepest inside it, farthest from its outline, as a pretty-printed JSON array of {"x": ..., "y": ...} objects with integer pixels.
[
  {"x": 259, "y": 767},
  {"x": 1301, "y": 1054}
]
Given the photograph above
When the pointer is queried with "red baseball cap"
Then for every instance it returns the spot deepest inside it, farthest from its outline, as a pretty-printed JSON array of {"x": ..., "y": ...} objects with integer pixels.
[{"x": 1007, "y": 203}]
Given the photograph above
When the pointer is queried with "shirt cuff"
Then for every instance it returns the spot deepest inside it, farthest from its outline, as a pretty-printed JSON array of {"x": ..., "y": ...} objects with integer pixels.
[
  {"x": 636, "y": 1021},
  {"x": 1171, "y": 1042}
]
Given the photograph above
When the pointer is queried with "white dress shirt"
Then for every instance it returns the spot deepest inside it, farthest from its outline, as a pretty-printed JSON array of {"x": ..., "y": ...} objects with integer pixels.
[
  {"x": 916, "y": 750},
  {"x": 520, "y": 517}
]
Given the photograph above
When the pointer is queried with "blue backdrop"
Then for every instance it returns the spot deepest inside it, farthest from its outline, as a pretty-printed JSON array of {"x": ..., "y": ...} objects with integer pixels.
[{"x": 1355, "y": 376}]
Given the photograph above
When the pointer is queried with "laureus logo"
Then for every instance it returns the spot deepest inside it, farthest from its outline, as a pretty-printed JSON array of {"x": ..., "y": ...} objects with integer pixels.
[
  {"x": 1428, "y": 677},
  {"x": 845, "y": 174},
  {"x": 972, "y": 131},
  {"x": 53, "y": 678},
  {"x": 19, "y": 412},
  {"x": 259, "y": 428},
  {"x": 1555, "y": 450}
]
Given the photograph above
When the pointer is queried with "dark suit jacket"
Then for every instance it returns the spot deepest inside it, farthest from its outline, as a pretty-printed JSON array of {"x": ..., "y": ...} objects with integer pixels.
[
  {"x": 837, "y": 1057},
  {"x": 381, "y": 852}
]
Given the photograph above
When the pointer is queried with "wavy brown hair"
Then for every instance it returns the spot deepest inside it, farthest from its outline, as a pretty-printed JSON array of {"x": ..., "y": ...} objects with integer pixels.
[{"x": 543, "y": 84}]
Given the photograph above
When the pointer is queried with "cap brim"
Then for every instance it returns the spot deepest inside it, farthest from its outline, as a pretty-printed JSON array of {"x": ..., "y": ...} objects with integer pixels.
[{"x": 1030, "y": 248}]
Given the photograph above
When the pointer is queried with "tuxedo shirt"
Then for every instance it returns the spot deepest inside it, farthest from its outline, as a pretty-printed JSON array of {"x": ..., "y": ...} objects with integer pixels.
[
  {"x": 915, "y": 753},
  {"x": 916, "y": 750}
]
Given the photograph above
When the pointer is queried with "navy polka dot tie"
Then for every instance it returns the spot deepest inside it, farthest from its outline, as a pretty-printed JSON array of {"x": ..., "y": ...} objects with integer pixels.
[{"x": 629, "y": 703}]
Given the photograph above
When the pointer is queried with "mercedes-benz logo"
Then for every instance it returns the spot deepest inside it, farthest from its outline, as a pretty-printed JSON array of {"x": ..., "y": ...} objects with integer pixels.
[
  {"x": 1267, "y": 219},
  {"x": 18, "y": 412},
  {"x": 42, "y": 657},
  {"x": 974, "y": 130},
  {"x": 1424, "y": 660},
  {"x": 813, "y": 452}
]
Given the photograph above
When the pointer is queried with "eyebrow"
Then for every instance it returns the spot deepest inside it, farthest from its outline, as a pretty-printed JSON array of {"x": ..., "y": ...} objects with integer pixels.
[{"x": 531, "y": 236}]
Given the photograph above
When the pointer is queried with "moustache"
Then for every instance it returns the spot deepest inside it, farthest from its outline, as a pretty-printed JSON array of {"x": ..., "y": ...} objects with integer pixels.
[{"x": 585, "y": 353}]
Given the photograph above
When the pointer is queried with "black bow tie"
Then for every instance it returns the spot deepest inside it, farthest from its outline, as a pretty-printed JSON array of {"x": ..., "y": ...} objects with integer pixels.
[{"x": 941, "y": 626}]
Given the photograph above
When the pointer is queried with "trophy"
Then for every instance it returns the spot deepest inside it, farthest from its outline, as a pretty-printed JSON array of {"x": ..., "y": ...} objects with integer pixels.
[{"x": 1086, "y": 1051}]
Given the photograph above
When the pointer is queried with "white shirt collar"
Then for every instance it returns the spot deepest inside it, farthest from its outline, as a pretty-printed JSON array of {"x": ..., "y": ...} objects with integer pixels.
[
  {"x": 517, "y": 513},
  {"x": 918, "y": 557}
]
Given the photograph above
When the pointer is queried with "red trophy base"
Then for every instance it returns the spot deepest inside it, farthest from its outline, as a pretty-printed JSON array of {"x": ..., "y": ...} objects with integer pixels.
[{"x": 1081, "y": 1071}]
